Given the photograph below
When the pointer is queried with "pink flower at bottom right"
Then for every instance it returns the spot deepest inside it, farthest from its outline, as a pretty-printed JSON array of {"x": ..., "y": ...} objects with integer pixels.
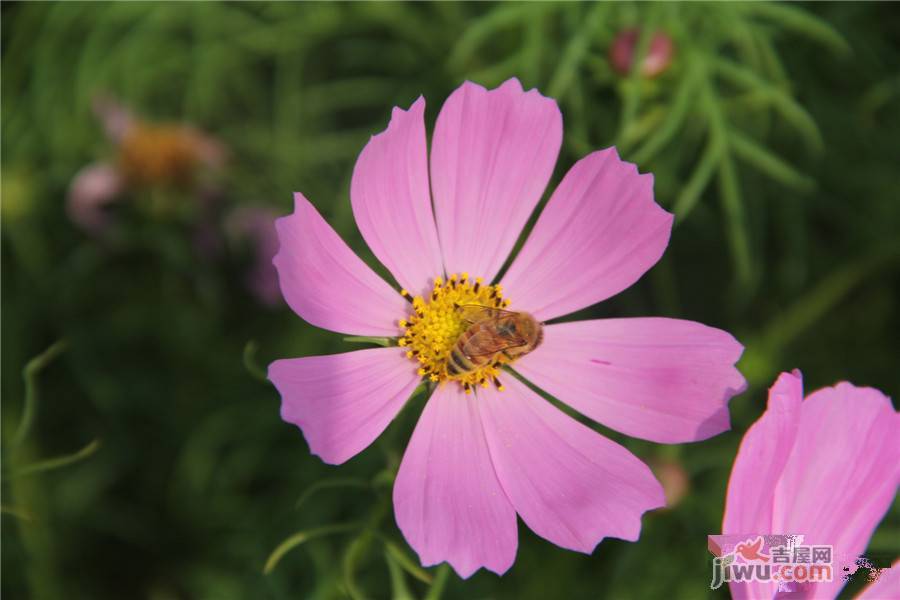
[{"x": 826, "y": 467}]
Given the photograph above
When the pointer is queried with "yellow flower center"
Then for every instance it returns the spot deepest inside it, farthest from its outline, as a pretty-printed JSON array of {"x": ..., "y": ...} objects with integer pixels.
[{"x": 433, "y": 330}]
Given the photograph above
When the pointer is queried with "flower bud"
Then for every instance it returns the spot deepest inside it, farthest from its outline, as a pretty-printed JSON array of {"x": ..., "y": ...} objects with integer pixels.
[{"x": 657, "y": 59}]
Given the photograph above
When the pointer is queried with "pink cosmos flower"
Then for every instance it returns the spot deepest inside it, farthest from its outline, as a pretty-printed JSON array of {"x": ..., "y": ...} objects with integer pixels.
[
  {"x": 826, "y": 468},
  {"x": 487, "y": 447}
]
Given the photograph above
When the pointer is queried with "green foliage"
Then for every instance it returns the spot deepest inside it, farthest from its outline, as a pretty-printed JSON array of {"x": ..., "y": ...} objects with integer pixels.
[{"x": 772, "y": 136}]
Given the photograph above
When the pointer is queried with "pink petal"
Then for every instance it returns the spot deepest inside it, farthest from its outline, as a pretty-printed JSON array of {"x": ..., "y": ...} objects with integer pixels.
[
  {"x": 826, "y": 468},
  {"x": 757, "y": 468},
  {"x": 886, "y": 587},
  {"x": 326, "y": 283},
  {"x": 761, "y": 459},
  {"x": 391, "y": 201},
  {"x": 664, "y": 380},
  {"x": 569, "y": 484},
  {"x": 492, "y": 156},
  {"x": 600, "y": 231},
  {"x": 92, "y": 190},
  {"x": 843, "y": 473},
  {"x": 447, "y": 500},
  {"x": 342, "y": 402}
]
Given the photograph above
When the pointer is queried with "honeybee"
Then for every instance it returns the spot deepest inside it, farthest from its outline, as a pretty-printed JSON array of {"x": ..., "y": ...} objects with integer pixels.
[{"x": 492, "y": 332}]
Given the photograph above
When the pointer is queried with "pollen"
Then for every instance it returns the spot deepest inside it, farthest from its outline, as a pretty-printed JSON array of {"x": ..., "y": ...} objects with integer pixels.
[{"x": 432, "y": 330}]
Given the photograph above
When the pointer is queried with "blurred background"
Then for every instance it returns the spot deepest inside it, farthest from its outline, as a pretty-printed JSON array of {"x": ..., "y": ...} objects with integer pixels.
[{"x": 147, "y": 147}]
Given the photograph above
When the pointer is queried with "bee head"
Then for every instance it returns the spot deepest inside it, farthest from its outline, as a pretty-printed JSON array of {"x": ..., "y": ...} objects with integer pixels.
[{"x": 530, "y": 330}]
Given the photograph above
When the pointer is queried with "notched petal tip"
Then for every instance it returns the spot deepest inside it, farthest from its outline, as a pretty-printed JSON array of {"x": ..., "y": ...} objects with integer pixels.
[
  {"x": 514, "y": 82},
  {"x": 465, "y": 569},
  {"x": 493, "y": 154},
  {"x": 513, "y": 86},
  {"x": 390, "y": 197},
  {"x": 447, "y": 500},
  {"x": 604, "y": 208},
  {"x": 788, "y": 388},
  {"x": 399, "y": 114}
]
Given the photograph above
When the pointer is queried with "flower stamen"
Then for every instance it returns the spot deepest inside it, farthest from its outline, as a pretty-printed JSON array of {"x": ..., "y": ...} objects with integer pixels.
[{"x": 431, "y": 332}]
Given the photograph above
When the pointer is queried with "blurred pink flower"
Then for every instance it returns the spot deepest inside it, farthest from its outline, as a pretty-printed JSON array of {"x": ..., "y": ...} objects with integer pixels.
[
  {"x": 477, "y": 459},
  {"x": 826, "y": 468},
  {"x": 93, "y": 189},
  {"x": 658, "y": 58},
  {"x": 146, "y": 155}
]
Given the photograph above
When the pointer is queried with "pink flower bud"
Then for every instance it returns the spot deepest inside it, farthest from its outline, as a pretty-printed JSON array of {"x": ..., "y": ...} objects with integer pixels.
[
  {"x": 659, "y": 54},
  {"x": 674, "y": 479}
]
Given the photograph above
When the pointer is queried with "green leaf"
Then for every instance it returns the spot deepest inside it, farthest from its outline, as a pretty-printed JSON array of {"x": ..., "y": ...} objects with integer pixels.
[
  {"x": 772, "y": 61},
  {"x": 355, "y": 553},
  {"x": 330, "y": 484},
  {"x": 674, "y": 118},
  {"x": 58, "y": 462},
  {"x": 768, "y": 163},
  {"x": 347, "y": 93},
  {"x": 304, "y": 536},
  {"x": 699, "y": 179},
  {"x": 19, "y": 513},
  {"x": 385, "y": 478},
  {"x": 880, "y": 95},
  {"x": 440, "y": 580},
  {"x": 575, "y": 52},
  {"x": 399, "y": 589},
  {"x": 251, "y": 364},
  {"x": 504, "y": 15},
  {"x": 641, "y": 127},
  {"x": 532, "y": 51},
  {"x": 30, "y": 374},
  {"x": 494, "y": 74},
  {"x": 825, "y": 296},
  {"x": 800, "y": 21},
  {"x": 407, "y": 563},
  {"x": 780, "y": 100},
  {"x": 730, "y": 195},
  {"x": 362, "y": 339}
]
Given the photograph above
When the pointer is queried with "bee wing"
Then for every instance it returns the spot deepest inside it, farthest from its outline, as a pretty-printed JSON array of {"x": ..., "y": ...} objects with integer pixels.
[
  {"x": 475, "y": 313},
  {"x": 485, "y": 343}
]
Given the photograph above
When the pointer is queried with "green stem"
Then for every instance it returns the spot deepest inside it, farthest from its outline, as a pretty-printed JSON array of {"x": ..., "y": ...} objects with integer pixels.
[
  {"x": 251, "y": 364},
  {"x": 440, "y": 580},
  {"x": 30, "y": 373},
  {"x": 60, "y": 461},
  {"x": 301, "y": 537}
]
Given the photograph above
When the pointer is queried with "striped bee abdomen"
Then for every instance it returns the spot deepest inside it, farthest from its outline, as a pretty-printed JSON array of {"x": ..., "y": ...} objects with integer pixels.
[{"x": 457, "y": 363}]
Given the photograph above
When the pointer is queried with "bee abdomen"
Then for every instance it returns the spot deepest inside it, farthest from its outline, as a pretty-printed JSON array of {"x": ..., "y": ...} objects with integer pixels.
[{"x": 457, "y": 363}]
